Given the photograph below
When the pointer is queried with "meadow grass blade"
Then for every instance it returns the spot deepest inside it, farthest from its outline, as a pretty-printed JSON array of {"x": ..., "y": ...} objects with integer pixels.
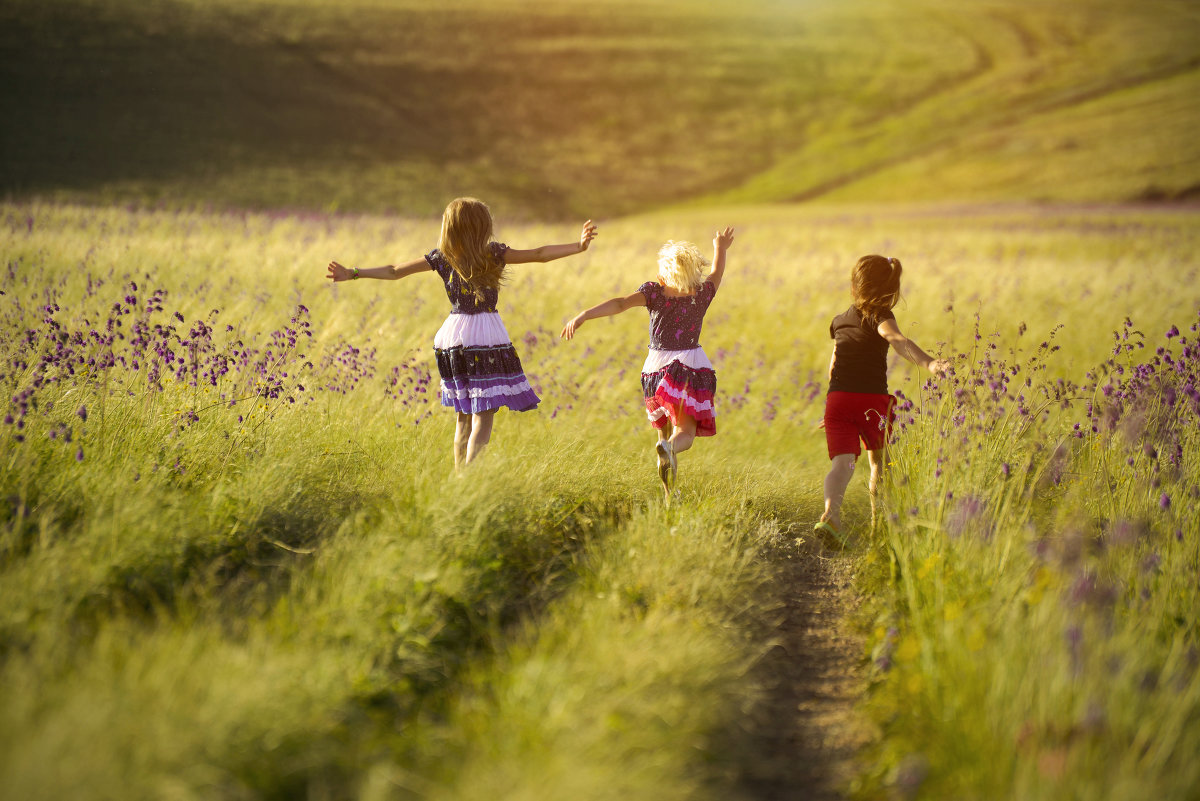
[{"x": 213, "y": 590}]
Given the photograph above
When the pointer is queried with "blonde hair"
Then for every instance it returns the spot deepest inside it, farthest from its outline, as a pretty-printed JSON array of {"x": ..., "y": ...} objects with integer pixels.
[
  {"x": 875, "y": 284},
  {"x": 466, "y": 234},
  {"x": 680, "y": 266}
]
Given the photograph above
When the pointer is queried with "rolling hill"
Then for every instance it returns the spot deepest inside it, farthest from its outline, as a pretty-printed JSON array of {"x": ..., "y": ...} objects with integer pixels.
[{"x": 553, "y": 110}]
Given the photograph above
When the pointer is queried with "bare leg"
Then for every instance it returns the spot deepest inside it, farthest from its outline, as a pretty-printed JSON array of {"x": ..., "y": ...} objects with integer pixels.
[
  {"x": 462, "y": 433},
  {"x": 685, "y": 433},
  {"x": 481, "y": 434},
  {"x": 878, "y": 459},
  {"x": 680, "y": 440},
  {"x": 841, "y": 470},
  {"x": 664, "y": 460}
]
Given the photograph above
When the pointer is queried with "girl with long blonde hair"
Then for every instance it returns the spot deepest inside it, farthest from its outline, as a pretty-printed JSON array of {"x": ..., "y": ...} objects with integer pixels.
[
  {"x": 678, "y": 380},
  {"x": 478, "y": 365}
]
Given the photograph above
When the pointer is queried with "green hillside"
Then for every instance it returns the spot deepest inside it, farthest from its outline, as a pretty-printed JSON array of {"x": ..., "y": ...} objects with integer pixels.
[{"x": 600, "y": 108}]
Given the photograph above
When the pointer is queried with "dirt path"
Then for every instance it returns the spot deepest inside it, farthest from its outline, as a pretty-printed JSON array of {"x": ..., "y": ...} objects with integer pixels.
[{"x": 807, "y": 738}]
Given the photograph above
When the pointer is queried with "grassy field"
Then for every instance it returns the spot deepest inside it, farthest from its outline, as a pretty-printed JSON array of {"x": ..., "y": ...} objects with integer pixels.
[
  {"x": 255, "y": 576},
  {"x": 598, "y": 109},
  {"x": 235, "y": 561}
]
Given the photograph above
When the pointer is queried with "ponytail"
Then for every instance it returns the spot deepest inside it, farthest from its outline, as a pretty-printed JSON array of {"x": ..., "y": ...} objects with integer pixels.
[{"x": 875, "y": 284}]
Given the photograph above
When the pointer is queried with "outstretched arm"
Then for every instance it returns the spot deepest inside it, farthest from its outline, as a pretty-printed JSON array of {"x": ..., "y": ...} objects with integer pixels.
[
  {"x": 721, "y": 243},
  {"x": 551, "y": 252},
  {"x": 606, "y": 309},
  {"x": 388, "y": 272},
  {"x": 911, "y": 350}
]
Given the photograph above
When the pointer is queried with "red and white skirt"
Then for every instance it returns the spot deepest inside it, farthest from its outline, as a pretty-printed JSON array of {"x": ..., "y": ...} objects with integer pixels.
[{"x": 678, "y": 381}]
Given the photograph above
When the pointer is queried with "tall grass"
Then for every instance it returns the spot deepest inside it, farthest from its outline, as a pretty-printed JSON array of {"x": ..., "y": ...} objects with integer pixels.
[
  {"x": 623, "y": 687},
  {"x": 212, "y": 590},
  {"x": 1036, "y": 576}
]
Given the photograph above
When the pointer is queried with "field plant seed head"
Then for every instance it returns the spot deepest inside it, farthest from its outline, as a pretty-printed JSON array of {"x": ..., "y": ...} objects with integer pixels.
[
  {"x": 680, "y": 266},
  {"x": 875, "y": 283},
  {"x": 132, "y": 350},
  {"x": 466, "y": 231},
  {"x": 1052, "y": 575},
  {"x": 983, "y": 422}
]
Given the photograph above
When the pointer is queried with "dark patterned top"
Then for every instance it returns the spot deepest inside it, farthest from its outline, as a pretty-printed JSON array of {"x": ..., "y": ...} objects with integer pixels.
[
  {"x": 675, "y": 321},
  {"x": 462, "y": 296},
  {"x": 859, "y": 353}
]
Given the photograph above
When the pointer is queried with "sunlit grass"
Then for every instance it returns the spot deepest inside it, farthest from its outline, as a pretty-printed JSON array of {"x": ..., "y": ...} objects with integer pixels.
[
  {"x": 1034, "y": 576},
  {"x": 274, "y": 598}
]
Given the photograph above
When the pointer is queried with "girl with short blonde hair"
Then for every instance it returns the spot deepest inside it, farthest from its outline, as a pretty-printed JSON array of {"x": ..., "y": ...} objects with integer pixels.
[{"x": 678, "y": 380}]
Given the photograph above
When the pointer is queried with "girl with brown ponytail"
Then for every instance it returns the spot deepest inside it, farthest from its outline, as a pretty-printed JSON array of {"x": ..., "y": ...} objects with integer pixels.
[{"x": 858, "y": 406}]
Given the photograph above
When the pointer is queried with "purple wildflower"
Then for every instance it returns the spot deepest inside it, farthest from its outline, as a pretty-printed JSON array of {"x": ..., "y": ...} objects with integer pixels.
[
  {"x": 82, "y": 412},
  {"x": 1090, "y": 590},
  {"x": 1093, "y": 720},
  {"x": 1126, "y": 532},
  {"x": 1165, "y": 501},
  {"x": 1074, "y": 638},
  {"x": 911, "y": 774}
]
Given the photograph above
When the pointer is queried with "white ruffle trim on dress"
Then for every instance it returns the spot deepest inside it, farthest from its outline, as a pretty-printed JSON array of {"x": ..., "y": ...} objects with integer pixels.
[
  {"x": 485, "y": 389},
  {"x": 690, "y": 404},
  {"x": 694, "y": 358},
  {"x": 471, "y": 330}
]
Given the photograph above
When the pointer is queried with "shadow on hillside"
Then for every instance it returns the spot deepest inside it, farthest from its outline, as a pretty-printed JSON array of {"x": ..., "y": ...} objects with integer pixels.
[
  {"x": 550, "y": 112},
  {"x": 96, "y": 95}
]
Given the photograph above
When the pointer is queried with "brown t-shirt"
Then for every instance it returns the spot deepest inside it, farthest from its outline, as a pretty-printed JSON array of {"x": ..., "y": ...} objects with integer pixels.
[{"x": 860, "y": 354}]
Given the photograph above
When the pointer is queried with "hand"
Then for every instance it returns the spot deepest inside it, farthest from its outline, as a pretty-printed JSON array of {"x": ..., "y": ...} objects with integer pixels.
[
  {"x": 939, "y": 366},
  {"x": 571, "y": 326},
  {"x": 587, "y": 235},
  {"x": 723, "y": 239},
  {"x": 338, "y": 273}
]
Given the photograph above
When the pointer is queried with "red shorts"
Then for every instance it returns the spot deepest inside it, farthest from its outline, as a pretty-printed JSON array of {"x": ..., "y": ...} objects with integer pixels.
[{"x": 851, "y": 416}]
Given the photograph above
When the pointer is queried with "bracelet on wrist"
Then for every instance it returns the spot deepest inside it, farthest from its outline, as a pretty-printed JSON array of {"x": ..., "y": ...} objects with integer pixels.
[{"x": 354, "y": 274}]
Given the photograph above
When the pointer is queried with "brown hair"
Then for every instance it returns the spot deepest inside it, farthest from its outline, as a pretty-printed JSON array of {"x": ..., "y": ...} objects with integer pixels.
[
  {"x": 466, "y": 234},
  {"x": 875, "y": 284}
]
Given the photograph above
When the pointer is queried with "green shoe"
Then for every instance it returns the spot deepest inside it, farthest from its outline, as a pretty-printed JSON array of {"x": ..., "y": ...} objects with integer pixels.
[
  {"x": 827, "y": 532},
  {"x": 666, "y": 466}
]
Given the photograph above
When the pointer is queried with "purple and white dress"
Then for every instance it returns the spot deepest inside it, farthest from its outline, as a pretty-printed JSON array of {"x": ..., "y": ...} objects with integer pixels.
[{"x": 477, "y": 363}]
